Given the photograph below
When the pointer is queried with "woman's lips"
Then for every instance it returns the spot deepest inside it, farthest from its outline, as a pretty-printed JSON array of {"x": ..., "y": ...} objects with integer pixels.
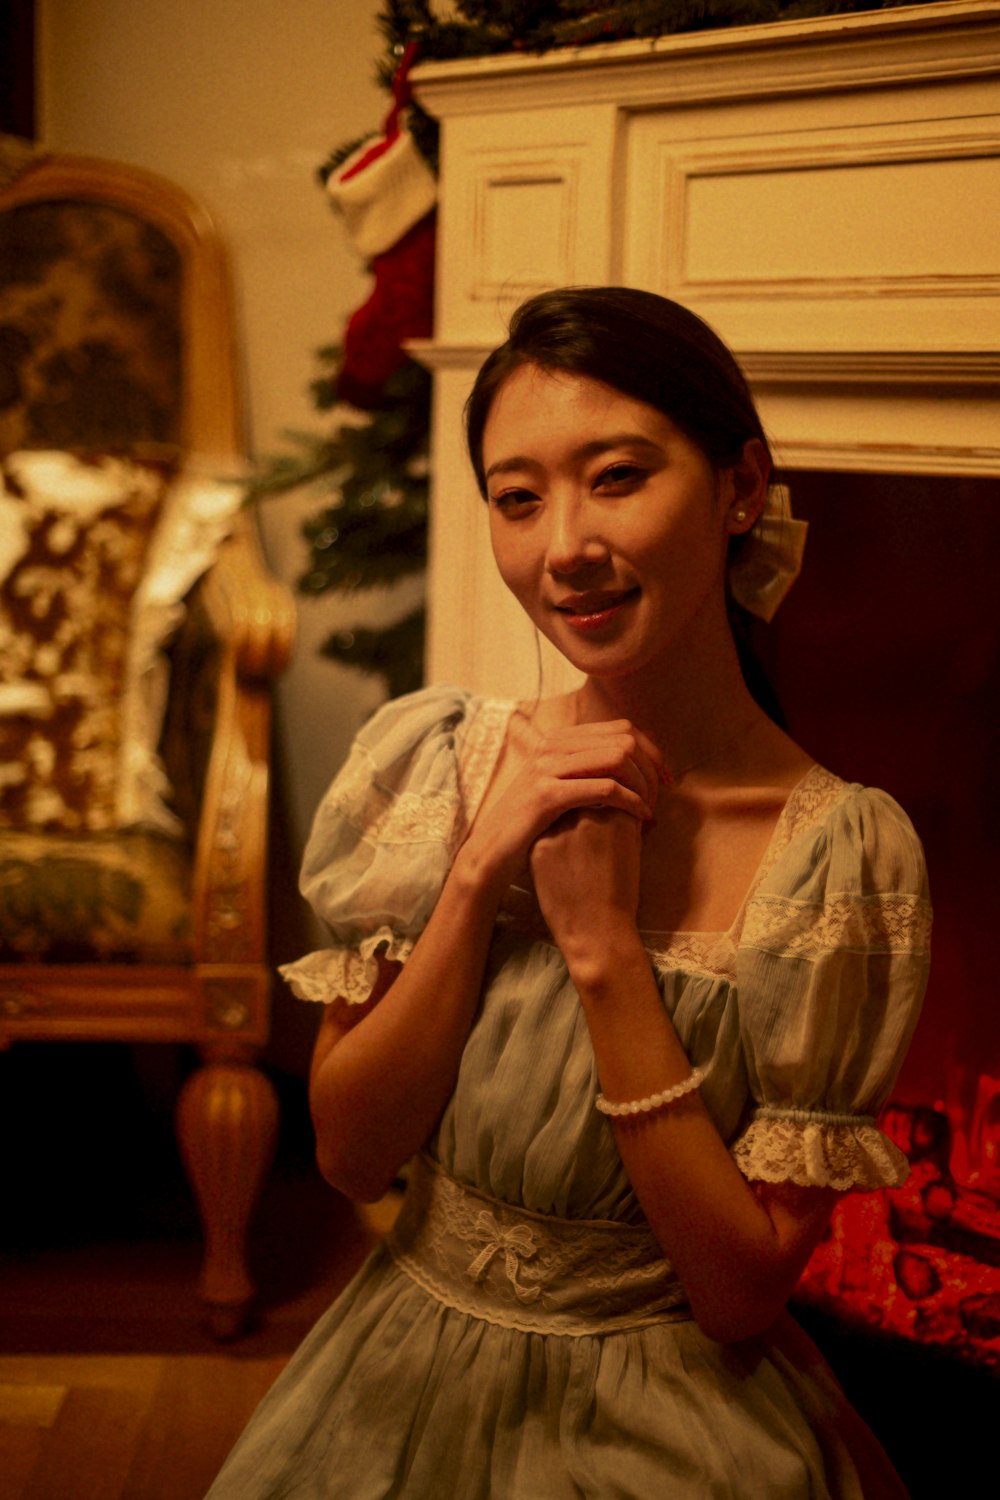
[{"x": 591, "y": 612}]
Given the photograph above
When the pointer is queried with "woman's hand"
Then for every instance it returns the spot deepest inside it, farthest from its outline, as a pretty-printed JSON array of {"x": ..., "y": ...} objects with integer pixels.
[
  {"x": 608, "y": 766},
  {"x": 585, "y": 869}
]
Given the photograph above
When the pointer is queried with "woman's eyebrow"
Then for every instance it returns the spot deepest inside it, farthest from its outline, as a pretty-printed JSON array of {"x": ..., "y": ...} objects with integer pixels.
[
  {"x": 518, "y": 462},
  {"x": 515, "y": 464}
]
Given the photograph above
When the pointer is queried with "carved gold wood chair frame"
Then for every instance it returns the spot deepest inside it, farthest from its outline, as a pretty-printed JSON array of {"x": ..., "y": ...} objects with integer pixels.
[{"x": 237, "y": 635}]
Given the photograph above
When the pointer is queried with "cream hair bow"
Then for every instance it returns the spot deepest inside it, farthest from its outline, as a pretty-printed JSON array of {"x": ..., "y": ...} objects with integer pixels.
[{"x": 769, "y": 561}]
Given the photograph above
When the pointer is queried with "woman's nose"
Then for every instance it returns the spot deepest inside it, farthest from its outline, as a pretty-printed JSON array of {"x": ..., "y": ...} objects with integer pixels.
[{"x": 574, "y": 542}]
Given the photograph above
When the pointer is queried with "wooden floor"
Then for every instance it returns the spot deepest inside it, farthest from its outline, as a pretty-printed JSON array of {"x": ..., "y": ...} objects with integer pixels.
[
  {"x": 110, "y": 1425},
  {"x": 110, "y": 1387},
  {"x": 122, "y": 1426}
]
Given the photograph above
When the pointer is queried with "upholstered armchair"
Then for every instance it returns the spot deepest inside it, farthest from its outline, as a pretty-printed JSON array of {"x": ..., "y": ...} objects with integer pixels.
[{"x": 139, "y": 633}]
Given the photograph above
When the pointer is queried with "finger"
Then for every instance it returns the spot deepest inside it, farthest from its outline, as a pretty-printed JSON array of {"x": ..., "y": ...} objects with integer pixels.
[
  {"x": 647, "y": 756},
  {"x": 614, "y": 727},
  {"x": 600, "y": 729},
  {"x": 596, "y": 792},
  {"x": 624, "y": 752},
  {"x": 622, "y": 768}
]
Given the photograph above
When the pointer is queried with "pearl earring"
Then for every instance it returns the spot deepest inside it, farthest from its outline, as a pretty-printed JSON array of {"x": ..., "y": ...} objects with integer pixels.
[{"x": 740, "y": 515}]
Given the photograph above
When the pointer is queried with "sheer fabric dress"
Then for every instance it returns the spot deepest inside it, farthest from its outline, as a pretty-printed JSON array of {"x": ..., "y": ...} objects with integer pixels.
[{"x": 520, "y": 1334}]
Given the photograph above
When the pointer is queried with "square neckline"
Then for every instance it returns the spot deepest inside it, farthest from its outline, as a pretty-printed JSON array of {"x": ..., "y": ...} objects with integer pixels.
[{"x": 479, "y": 752}]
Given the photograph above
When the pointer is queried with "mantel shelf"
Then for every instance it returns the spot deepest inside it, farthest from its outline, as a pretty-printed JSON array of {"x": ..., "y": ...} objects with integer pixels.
[
  {"x": 914, "y": 43},
  {"x": 884, "y": 367}
]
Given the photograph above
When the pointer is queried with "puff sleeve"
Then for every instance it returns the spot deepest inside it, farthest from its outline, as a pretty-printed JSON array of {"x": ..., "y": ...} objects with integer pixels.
[
  {"x": 831, "y": 970},
  {"x": 382, "y": 842}
]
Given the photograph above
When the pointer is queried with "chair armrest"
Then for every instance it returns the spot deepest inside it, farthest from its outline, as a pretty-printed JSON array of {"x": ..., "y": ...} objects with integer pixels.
[
  {"x": 252, "y": 619},
  {"x": 250, "y": 610}
]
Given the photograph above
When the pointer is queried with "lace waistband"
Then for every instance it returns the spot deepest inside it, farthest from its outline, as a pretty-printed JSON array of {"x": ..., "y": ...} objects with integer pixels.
[{"x": 530, "y": 1271}]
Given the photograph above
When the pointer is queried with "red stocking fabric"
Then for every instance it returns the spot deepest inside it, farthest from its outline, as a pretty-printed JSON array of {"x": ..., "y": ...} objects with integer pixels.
[{"x": 401, "y": 306}]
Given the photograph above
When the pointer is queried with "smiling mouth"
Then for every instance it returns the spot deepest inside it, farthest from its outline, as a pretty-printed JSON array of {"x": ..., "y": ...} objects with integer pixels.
[{"x": 592, "y": 611}]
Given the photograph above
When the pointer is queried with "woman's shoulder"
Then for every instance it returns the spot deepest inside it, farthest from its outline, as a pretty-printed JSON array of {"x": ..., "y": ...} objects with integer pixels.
[
  {"x": 414, "y": 764},
  {"x": 391, "y": 816},
  {"x": 846, "y": 860},
  {"x": 852, "y": 830},
  {"x": 403, "y": 722}
]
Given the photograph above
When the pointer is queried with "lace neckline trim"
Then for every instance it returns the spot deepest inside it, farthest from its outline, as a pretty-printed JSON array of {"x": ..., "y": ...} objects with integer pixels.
[
  {"x": 714, "y": 953},
  {"x": 711, "y": 952},
  {"x": 808, "y": 799}
]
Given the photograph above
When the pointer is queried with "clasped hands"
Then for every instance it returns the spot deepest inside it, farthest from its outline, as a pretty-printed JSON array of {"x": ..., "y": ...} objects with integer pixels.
[{"x": 574, "y": 814}]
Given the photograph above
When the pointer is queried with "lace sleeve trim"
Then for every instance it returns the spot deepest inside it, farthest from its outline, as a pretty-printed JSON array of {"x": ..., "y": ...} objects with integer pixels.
[
  {"x": 384, "y": 817},
  {"x": 345, "y": 973},
  {"x": 885, "y": 923},
  {"x": 819, "y": 1150}
]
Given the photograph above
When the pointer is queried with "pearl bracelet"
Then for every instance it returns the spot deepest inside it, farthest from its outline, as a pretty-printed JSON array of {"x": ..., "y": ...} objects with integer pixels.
[{"x": 654, "y": 1101}]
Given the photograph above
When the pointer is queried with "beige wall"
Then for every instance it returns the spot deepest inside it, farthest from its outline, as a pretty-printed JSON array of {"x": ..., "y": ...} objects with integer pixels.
[{"x": 239, "y": 101}]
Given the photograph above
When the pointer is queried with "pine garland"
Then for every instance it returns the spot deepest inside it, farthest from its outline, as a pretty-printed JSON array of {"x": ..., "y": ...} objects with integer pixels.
[{"x": 487, "y": 27}]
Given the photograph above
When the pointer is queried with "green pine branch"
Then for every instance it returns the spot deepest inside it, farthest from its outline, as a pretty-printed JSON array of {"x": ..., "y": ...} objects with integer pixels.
[
  {"x": 396, "y": 652},
  {"x": 370, "y": 475},
  {"x": 364, "y": 551}
]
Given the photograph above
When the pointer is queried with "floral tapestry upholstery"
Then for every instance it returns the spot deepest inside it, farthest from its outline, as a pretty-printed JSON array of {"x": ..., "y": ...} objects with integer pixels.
[
  {"x": 90, "y": 361},
  {"x": 198, "y": 512},
  {"x": 90, "y": 319},
  {"x": 119, "y": 897},
  {"x": 73, "y": 540}
]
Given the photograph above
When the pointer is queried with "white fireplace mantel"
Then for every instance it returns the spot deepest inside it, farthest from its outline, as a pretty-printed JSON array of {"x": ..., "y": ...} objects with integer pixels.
[{"x": 825, "y": 193}]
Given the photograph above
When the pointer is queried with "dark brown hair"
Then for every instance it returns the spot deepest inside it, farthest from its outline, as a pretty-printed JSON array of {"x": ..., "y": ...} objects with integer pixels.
[{"x": 643, "y": 345}]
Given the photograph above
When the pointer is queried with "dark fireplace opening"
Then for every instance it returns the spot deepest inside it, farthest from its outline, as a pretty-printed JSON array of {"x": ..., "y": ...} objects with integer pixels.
[{"x": 886, "y": 661}]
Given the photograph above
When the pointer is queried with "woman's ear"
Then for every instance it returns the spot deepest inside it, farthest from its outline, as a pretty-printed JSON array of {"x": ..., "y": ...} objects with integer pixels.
[{"x": 747, "y": 487}]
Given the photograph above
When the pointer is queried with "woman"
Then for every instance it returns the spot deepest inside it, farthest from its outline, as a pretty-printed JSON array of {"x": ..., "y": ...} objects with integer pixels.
[{"x": 624, "y": 973}]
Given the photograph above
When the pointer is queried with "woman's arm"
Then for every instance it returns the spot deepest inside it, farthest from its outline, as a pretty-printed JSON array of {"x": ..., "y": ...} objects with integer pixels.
[
  {"x": 382, "y": 1073},
  {"x": 737, "y": 1248}
]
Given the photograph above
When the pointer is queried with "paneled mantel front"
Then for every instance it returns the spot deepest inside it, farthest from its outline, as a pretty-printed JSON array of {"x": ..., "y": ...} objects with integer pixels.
[{"x": 825, "y": 193}]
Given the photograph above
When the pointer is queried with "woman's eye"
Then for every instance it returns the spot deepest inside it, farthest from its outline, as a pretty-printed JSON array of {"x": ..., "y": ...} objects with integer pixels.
[
  {"x": 513, "y": 500},
  {"x": 620, "y": 478}
]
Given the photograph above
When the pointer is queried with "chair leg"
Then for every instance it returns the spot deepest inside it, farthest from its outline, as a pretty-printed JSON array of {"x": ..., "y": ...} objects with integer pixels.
[{"x": 227, "y": 1127}]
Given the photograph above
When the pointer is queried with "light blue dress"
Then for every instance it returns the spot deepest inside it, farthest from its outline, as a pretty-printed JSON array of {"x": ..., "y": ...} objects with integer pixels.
[{"x": 520, "y": 1337}]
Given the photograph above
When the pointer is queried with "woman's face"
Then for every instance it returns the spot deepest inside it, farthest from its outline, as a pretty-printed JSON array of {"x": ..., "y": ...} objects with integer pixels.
[{"x": 609, "y": 525}]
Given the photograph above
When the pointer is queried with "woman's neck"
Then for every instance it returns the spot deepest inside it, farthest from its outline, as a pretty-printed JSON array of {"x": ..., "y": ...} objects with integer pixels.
[{"x": 699, "y": 713}]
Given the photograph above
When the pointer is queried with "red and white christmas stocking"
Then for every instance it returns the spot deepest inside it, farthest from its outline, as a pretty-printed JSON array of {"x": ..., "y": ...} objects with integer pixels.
[{"x": 387, "y": 193}]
